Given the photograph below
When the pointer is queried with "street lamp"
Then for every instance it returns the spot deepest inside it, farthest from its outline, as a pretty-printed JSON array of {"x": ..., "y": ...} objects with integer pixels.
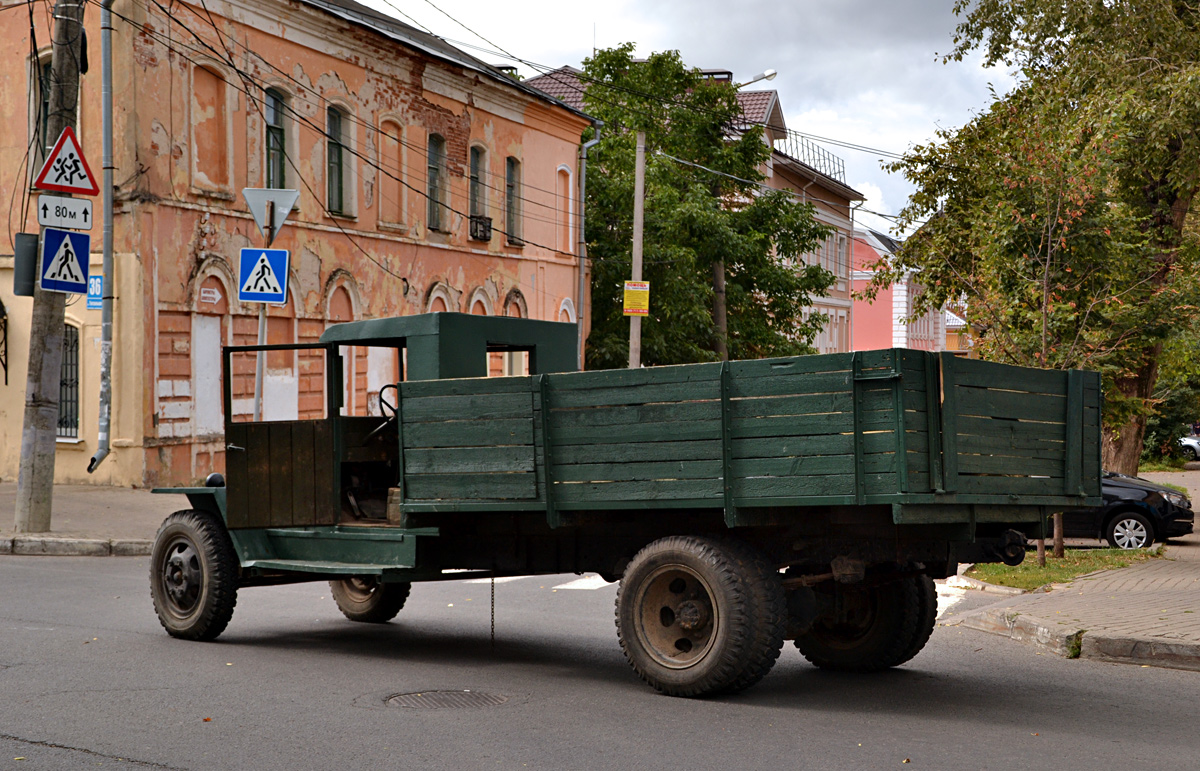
[{"x": 765, "y": 75}]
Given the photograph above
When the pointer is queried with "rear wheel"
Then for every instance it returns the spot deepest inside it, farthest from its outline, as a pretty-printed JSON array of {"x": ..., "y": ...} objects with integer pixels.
[
  {"x": 697, "y": 616},
  {"x": 367, "y": 599},
  {"x": 1130, "y": 530},
  {"x": 868, "y": 629},
  {"x": 193, "y": 575}
]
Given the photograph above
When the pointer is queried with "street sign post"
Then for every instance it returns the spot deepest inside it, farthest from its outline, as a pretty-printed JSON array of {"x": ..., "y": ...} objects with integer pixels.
[
  {"x": 65, "y": 169},
  {"x": 262, "y": 276},
  {"x": 63, "y": 266},
  {"x": 54, "y": 211}
]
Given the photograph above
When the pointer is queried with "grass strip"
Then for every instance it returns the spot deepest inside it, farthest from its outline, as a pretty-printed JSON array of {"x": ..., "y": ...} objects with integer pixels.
[{"x": 1075, "y": 563}]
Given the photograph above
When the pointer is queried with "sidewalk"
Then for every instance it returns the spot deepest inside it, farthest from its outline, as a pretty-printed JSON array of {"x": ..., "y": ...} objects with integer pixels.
[
  {"x": 1146, "y": 614},
  {"x": 90, "y": 521}
]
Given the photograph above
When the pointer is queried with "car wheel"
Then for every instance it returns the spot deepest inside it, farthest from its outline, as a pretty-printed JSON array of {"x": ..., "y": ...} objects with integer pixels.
[
  {"x": 1130, "y": 530},
  {"x": 1189, "y": 452},
  {"x": 369, "y": 600},
  {"x": 697, "y": 616},
  {"x": 193, "y": 575}
]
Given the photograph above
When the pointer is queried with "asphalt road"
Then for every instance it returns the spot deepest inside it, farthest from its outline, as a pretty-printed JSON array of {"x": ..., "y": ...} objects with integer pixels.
[{"x": 88, "y": 679}]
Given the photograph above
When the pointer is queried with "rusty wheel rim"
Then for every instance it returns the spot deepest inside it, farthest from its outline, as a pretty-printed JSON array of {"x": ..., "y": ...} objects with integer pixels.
[
  {"x": 359, "y": 589},
  {"x": 677, "y": 616}
]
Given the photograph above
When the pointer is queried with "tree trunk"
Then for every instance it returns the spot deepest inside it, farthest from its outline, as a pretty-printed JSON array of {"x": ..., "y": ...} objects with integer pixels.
[
  {"x": 1121, "y": 448},
  {"x": 720, "y": 317}
]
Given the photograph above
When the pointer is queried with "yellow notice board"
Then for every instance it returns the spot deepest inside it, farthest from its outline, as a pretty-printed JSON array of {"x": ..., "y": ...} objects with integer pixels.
[{"x": 637, "y": 298}]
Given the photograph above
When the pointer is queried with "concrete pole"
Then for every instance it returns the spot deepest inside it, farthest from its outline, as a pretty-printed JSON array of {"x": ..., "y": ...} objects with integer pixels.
[
  {"x": 106, "y": 313},
  {"x": 35, "y": 477},
  {"x": 639, "y": 207}
]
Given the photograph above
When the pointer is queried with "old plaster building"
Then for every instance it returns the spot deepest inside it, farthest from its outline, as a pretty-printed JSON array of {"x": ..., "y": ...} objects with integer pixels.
[
  {"x": 798, "y": 165},
  {"x": 428, "y": 181}
]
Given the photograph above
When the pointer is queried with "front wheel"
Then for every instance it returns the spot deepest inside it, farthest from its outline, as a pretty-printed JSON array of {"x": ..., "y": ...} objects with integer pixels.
[
  {"x": 698, "y": 616},
  {"x": 1130, "y": 530},
  {"x": 193, "y": 575},
  {"x": 369, "y": 600}
]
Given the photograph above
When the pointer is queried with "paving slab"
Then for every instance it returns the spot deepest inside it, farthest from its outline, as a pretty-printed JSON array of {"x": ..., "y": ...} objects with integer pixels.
[{"x": 89, "y": 520}]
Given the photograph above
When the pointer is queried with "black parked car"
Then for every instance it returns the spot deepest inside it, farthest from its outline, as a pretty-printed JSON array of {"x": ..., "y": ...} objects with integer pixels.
[{"x": 1135, "y": 514}]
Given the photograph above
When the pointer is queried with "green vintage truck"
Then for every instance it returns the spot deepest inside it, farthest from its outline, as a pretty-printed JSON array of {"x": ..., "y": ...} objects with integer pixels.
[{"x": 739, "y": 504}]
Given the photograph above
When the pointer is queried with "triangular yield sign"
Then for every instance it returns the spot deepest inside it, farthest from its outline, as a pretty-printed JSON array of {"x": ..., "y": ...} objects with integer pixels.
[
  {"x": 262, "y": 279},
  {"x": 65, "y": 265},
  {"x": 66, "y": 170}
]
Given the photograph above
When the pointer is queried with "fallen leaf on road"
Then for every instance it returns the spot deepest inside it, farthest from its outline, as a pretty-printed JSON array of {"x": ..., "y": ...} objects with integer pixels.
[
  {"x": 906, "y": 760},
  {"x": 208, "y": 720}
]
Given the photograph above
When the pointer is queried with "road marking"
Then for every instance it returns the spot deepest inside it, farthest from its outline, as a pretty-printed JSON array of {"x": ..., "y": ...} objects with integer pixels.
[
  {"x": 948, "y": 597},
  {"x": 500, "y": 580},
  {"x": 589, "y": 582}
]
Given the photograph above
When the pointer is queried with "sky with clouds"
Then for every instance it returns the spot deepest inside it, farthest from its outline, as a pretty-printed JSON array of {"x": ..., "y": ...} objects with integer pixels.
[{"x": 868, "y": 72}]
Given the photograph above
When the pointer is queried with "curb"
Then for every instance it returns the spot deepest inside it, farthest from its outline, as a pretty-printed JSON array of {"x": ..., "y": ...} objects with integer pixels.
[
  {"x": 1010, "y": 623},
  {"x": 57, "y": 546},
  {"x": 966, "y": 582},
  {"x": 1079, "y": 643}
]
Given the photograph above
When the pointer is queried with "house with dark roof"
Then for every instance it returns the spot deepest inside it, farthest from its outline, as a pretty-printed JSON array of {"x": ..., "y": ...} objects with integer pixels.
[
  {"x": 798, "y": 165},
  {"x": 428, "y": 181}
]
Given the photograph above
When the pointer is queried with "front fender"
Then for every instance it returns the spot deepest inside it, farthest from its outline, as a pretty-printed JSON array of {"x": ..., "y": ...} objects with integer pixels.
[{"x": 211, "y": 499}]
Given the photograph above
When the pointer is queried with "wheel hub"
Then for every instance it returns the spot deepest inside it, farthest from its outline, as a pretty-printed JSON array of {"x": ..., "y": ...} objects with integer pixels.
[
  {"x": 677, "y": 616},
  {"x": 691, "y": 615},
  {"x": 182, "y": 577}
]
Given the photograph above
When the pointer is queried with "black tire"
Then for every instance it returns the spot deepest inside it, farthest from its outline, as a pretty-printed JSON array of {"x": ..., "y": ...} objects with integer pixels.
[
  {"x": 926, "y": 619},
  {"x": 369, "y": 600},
  {"x": 1129, "y": 530},
  {"x": 699, "y": 616},
  {"x": 878, "y": 628},
  {"x": 193, "y": 575},
  {"x": 1189, "y": 452}
]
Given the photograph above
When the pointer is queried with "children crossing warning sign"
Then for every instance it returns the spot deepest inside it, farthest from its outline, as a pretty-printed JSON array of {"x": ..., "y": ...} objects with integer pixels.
[
  {"x": 66, "y": 170},
  {"x": 64, "y": 261},
  {"x": 262, "y": 276}
]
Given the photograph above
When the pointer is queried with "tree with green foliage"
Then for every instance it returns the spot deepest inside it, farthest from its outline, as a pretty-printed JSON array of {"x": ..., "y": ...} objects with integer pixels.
[
  {"x": 704, "y": 207},
  {"x": 1059, "y": 215}
]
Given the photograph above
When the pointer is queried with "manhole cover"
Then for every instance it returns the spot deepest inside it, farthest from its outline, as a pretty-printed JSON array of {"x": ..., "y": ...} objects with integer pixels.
[{"x": 445, "y": 699}]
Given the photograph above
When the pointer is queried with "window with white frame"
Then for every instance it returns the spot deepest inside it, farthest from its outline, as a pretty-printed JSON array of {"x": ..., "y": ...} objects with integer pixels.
[
  {"x": 335, "y": 153},
  {"x": 276, "y": 138},
  {"x": 435, "y": 173},
  {"x": 512, "y": 200}
]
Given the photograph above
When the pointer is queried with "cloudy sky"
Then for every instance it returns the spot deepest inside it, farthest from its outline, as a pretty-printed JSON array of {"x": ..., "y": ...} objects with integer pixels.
[{"x": 866, "y": 72}]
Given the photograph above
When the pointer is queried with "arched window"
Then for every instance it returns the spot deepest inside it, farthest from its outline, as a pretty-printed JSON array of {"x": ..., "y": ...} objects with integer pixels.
[
  {"x": 276, "y": 144},
  {"x": 512, "y": 200},
  {"x": 435, "y": 180},
  {"x": 335, "y": 148}
]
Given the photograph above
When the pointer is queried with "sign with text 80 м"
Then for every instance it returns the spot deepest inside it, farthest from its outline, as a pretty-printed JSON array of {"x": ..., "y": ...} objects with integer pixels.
[{"x": 262, "y": 276}]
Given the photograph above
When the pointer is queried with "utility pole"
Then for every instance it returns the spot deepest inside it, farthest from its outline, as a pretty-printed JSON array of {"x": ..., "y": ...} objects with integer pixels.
[
  {"x": 639, "y": 208},
  {"x": 35, "y": 479}
]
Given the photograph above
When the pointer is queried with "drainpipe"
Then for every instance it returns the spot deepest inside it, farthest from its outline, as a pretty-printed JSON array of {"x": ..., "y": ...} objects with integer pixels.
[
  {"x": 106, "y": 314},
  {"x": 583, "y": 154}
]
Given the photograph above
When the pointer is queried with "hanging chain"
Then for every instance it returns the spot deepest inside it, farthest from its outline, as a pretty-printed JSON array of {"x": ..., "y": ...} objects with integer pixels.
[{"x": 493, "y": 614}]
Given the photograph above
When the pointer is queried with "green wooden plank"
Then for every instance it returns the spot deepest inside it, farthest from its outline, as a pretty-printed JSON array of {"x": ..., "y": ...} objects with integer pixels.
[
  {"x": 807, "y": 404},
  {"x": 636, "y": 414},
  {"x": 468, "y": 460},
  {"x": 1008, "y": 443},
  {"x": 794, "y": 487},
  {"x": 947, "y": 374},
  {"x": 755, "y": 369},
  {"x": 802, "y": 465},
  {"x": 645, "y": 432},
  {"x": 651, "y": 393},
  {"x": 993, "y": 402},
  {"x": 1001, "y": 464},
  {"x": 1009, "y": 485},
  {"x": 793, "y": 425},
  {"x": 631, "y": 472},
  {"x": 972, "y": 429},
  {"x": 789, "y": 384},
  {"x": 470, "y": 486},
  {"x": 468, "y": 433},
  {"x": 727, "y": 446},
  {"x": 986, "y": 374},
  {"x": 637, "y": 452},
  {"x": 475, "y": 406},
  {"x": 786, "y": 446},
  {"x": 412, "y": 389},
  {"x": 600, "y": 493}
]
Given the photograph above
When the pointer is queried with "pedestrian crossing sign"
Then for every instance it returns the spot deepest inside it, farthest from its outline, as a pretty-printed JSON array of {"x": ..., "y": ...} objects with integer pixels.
[
  {"x": 64, "y": 263},
  {"x": 262, "y": 276}
]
